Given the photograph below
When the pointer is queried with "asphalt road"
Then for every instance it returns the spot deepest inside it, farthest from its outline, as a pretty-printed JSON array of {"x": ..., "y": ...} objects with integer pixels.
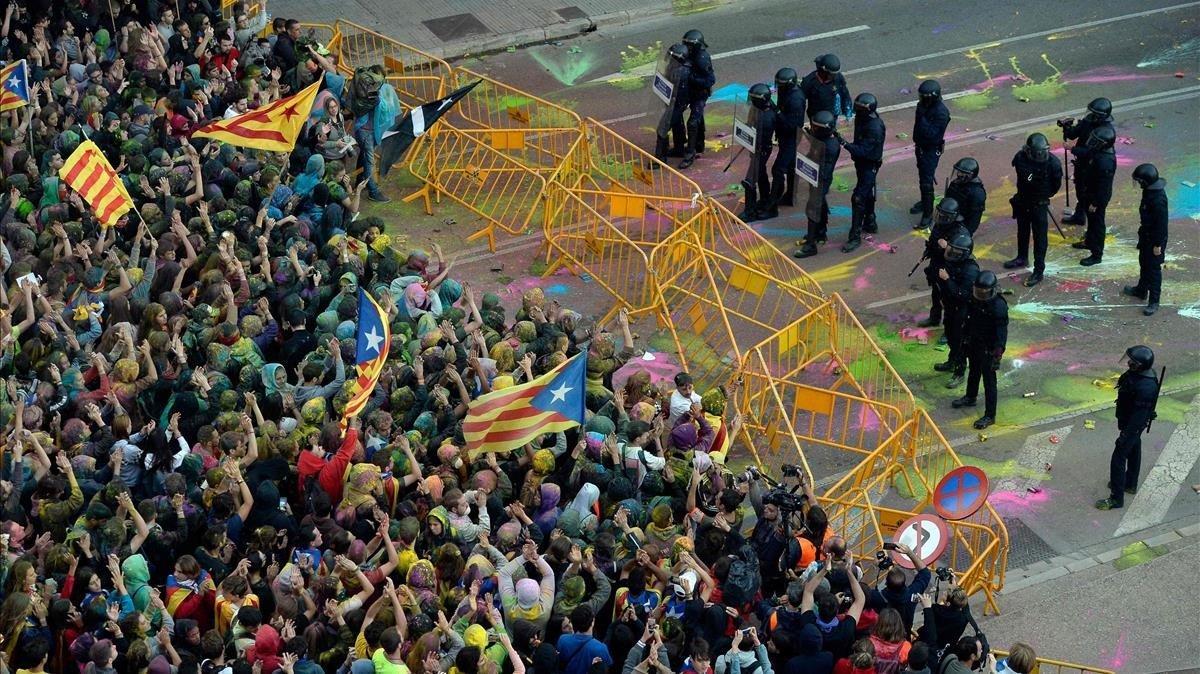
[{"x": 1008, "y": 69}]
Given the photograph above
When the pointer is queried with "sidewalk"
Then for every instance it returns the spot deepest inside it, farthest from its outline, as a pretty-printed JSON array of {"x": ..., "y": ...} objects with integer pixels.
[{"x": 452, "y": 28}]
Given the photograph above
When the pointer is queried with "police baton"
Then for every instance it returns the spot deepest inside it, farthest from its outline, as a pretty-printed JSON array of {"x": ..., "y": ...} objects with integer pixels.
[
  {"x": 1157, "y": 391},
  {"x": 1067, "y": 173},
  {"x": 1060, "y": 232},
  {"x": 918, "y": 264},
  {"x": 735, "y": 158}
]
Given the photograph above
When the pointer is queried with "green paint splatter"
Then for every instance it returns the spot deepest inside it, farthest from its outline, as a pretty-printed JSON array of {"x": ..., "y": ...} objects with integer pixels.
[
  {"x": 506, "y": 101},
  {"x": 1048, "y": 89},
  {"x": 633, "y": 57},
  {"x": 1137, "y": 553},
  {"x": 566, "y": 67},
  {"x": 702, "y": 360},
  {"x": 840, "y": 184},
  {"x": 936, "y": 468},
  {"x": 537, "y": 267},
  {"x": 975, "y": 102},
  {"x": 630, "y": 83}
]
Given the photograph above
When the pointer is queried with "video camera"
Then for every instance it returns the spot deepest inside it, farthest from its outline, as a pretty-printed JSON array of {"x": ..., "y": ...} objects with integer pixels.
[{"x": 1065, "y": 122}]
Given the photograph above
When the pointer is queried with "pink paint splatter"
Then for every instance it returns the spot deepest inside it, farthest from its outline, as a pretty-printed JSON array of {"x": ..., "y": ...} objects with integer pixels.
[
  {"x": 1120, "y": 654},
  {"x": 868, "y": 420},
  {"x": 862, "y": 282},
  {"x": 1012, "y": 500},
  {"x": 1073, "y": 286},
  {"x": 1109, "y": 74},
  {"x": 662, "y": 368},
  {"x": 921, "y": 335}
]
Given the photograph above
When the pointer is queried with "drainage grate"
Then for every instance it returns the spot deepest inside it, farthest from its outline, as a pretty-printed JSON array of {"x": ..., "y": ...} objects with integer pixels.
[
  {"x": 1025, "y": 546},
  {"x": 571, "y": 13},
  {"x": 456, "y": 27}
]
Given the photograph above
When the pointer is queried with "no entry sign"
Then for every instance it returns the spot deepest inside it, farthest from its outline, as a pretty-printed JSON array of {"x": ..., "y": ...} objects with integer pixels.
[
  {"x": 926, "y": 535},
  {"x": 960, "y": 493}
]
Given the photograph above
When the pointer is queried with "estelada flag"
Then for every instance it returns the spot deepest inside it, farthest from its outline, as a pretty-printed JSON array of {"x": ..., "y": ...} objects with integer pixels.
[
  {"x": 14, "y": 85},
  {"x": 506, "y": 419},
  {"x": 413, "y": 124},
  {"x": 272, "y": 127},
  {"x": 370, "y": 352},
  {"x": 88, "y": 172}
]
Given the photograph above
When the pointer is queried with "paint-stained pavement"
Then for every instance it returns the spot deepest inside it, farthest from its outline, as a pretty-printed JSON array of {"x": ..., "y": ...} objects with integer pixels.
[{"x": 1066, "y": 335}]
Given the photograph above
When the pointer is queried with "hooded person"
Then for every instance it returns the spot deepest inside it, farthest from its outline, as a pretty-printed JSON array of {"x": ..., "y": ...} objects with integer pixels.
[
  {"x": 137, "y": 581},
  {"x": 548, "y": 511},
  {"x": 587, "y": 504},
  {"x": 266, "y": 649}
]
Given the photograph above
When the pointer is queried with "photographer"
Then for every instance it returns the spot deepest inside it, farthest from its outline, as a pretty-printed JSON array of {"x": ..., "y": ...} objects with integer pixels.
[
  {"x": 769, "y": 536},
  {"x": 946, "y": 621},
  {"x": 746, "y": 655},
  {"x": 896, "y": 592},
  {"x": 837, "y": 631}
]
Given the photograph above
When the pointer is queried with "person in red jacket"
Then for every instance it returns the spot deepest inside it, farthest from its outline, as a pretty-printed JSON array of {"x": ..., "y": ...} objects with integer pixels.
[{"x": 330, "y": 473}]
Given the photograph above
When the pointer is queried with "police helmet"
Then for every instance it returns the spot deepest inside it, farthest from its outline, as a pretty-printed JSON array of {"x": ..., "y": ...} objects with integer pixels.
[
  {"x": 930, "y": 90},
  {"x": 966, "y": 169},
  {"x": 1037, "y": 147},
  {"x": 985, "y": 286},
  {"x": 785, "y": 78},
  {"x": 678, "y": 52},
  {"x": 828, "y": 63},
  {"x": 694, "y": 38},
  {"x": 823, "y": 119},
  {"x": 865, "y": 102},
  {"x": 1141, "y": 358},
  {"x": 759, "y": 95},
  {"x": 960, "y": 247},
  {"x": 1100, "y": 108},
  {"x": 947, "y": 211},
  {"x": 1102, "y": 138},
  {"x": 1145, "y": 175}
]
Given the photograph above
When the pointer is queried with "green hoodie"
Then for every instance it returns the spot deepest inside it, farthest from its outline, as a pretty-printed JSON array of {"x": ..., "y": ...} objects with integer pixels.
[{"x": 137, "y": 580}]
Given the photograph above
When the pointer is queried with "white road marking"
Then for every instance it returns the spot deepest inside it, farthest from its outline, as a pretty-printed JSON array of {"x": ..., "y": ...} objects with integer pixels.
[
  {"x": 1168, "y": 476},
  {"x": 646, "y": 69},
  {"x": 898, "y": 300},
  {"x": 1019, "y": 38},
  {"x": 1037, "y": 451},
  {"x": 913, "y": 103}
]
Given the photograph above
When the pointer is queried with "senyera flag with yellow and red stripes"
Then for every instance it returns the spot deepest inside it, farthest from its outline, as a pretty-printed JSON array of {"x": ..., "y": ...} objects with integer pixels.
[{"x": 88, "y": 172}]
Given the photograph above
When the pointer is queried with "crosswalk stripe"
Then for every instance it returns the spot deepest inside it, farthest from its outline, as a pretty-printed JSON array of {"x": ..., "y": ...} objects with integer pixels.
[
  {"x": 1165, "y": 480},
  {"x": 1035, "y": 454}
]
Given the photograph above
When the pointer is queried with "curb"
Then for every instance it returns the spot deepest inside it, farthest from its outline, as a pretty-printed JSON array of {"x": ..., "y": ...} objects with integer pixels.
[
  {"x": 562, "y": 30},
  {"x": 1063, "y": 565}
]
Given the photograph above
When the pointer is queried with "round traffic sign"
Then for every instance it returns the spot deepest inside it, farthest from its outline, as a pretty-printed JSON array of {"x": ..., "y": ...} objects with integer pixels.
[
  {"x": 926, "y": 535},
  {"x": 960, "y": 493}
]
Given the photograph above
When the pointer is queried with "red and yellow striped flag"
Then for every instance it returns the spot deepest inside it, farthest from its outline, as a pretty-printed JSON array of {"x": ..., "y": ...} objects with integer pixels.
[
  {"x": 88, "y": 172},
  {"x": 272, "y": 127},
  {"x": 508, "y": 418}
]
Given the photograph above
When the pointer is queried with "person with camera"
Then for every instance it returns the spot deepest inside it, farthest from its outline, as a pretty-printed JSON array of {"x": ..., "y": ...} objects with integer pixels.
[
  {"x": 1099, "y": 116},
  {"x": 769, "y": 536},
  {"x": 896, "y": 591},
  {"x": 746, "y": 655},
  {"x": 648, "y": 654},
  {"x": 824, "y": 609},
  {"x": 944, "y": 622}
]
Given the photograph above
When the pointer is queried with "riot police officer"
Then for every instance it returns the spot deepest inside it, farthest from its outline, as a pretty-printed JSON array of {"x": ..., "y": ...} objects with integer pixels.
[
  {"x": 1137, "y": 394},
  {"x": 789, "y": 120},
  {"x": 1099, "y": 114},
  {"x": 672, "y": 122},
  {"x": 867, "y": 153},
  {"x": 702, "y": 78},
  {"x": 825, "y": 88},
  {"x": 929, "y": 133},
  {"x": 1152, "y": 236},
  {"x": 1094, "y": 173},
  {"x": 822, "y": 127},
  {"x": 956, "y": 280},
  {"x": 985, "y": 336},
  {"x": 946, "y": 226},
  {"x": 757, "y": 183},
  {"x": 1039, "y": 177},
  {"x": 967, "y": 191}
]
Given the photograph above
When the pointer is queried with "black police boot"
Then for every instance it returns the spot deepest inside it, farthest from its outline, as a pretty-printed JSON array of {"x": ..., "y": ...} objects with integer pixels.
[
  {"x": 947, "y": 366},
  {"x": 750, "y": 212},
  {"x": 676, "y": 151},
  {"x": 787, "y": 197},
  {"x": 1109, "y": 504},
  {"x": 854, "y": 239},
  {"x": 767, "y": 209},
  {"x": 1080, "y": 245},
  {"x": 916, "y": 208},
  {"x": 1090, "y": 260},
  {"x": 929, "y": 322},
  {"x": 870, "y": 226},
  {"x": 1076, "y": 218},
  {"x": 1033, "y": 279},
  {"x": 1016, "y": 263},
  {"x": 689, "y": 158},
  {"x": 984, "y": 421},
  {"x": 1150, "y": 309},
  {"x": 1132, "y": 291},
  {"x": 808, "y": 250},
  {"x": 964, "y": 401}
]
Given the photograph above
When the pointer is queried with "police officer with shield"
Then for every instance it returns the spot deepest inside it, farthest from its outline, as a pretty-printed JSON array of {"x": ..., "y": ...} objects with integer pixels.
[
  {"x": 867, "y": 153},
  {"x": 1039, "y": 177},
  {"x": 757, "y": 183},
  {"x": 1099, "y": 115},
  {"x": 1137, "y": 395},
  {"x": 825, "y": 88},
  {"x": 821, "y": 127},
  {"x": 985, "y": 337},
  {"x": 956, "y": 280},
  {"x": 1094, "y": 173},
  {"x": 929, "y": 133},
  {"x": 967, "y": 190},
  {"x": 946, "y": 226},
  {"x": 677, "y": 75},
  {"x": 789, "y": 121},
  {"x": 1152, "y": 236},
  {"x": 702, "y": 79}
]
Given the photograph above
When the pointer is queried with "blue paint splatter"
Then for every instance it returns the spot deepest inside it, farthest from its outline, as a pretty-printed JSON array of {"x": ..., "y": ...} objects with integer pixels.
[
  {"x": 1184, "y": 201},
  {"x": 795, "y": 33},
  {"x": 942, "y": 28},
  {"x": 733, "y": 91},
  {"x": 557, "y": 289},
  {"x": 839, "y": 211}
]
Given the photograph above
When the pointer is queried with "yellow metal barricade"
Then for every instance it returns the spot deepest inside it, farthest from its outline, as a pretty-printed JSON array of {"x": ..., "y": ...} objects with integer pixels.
[
  {"x": 417, "y": 76},
  {"x": 1050, "y": 666}
]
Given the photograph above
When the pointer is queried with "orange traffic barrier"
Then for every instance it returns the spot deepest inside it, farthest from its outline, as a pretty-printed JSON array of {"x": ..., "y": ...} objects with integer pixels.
[
  {"x": 1051, "y": 666},
  {"x": 418, "y": 77}
]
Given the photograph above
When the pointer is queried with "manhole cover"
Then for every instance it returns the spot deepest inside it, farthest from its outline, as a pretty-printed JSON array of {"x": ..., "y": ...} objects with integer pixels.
[
  {"x": 1025, "y": 546},
  {"x": 456, "y": 27},
  {"x": 571, "y": 13}
]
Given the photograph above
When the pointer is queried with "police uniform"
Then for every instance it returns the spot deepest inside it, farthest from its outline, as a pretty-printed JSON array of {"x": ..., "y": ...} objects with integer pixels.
[
  {"x": 985, "y": 336},
  {"x": 830, "y": 95},
  {"x": 956, "y": 299},
  {"x": 972, "y": 201},
  {"x": 867, "y": 153},
  {"x": 929, "y": 133},
  {"x": 1079, "y": 132},
  {"x": 702, "y": 78},
  {"x": 818, "y": 225},
  {"x": 1137, "y": 392},
  {"x": 790, "y": 119},
  {"x": 1037, "y": 181},
  {"x": 1094, "y": 176},
  {"x": 937, "y": 260},
  {"x": 1152, "y": 232},
  {"x": 757, "y": 182},
  {"x": 675, "y": 127}
]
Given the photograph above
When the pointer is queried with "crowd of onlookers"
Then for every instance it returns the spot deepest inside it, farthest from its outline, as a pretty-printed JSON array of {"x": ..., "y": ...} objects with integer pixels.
[{"x": 177, "y": 495}]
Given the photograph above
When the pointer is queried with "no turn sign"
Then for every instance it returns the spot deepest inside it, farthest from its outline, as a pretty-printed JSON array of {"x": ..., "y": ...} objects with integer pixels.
[{"x": 926, "y": 535}]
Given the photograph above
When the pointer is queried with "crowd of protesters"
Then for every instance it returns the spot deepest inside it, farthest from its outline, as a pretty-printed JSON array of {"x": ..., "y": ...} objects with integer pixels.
[{"x": 178, "y": 497}]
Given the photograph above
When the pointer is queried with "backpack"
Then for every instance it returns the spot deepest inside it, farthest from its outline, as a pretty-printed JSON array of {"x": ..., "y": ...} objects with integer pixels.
[
  {"x": 364, "y": 89},
  {"x": 741, "y": 583}
]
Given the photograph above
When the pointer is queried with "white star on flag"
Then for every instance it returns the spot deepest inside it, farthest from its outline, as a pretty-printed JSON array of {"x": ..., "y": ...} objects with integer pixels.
[
  {"x": 560, "y": 393},
  {"x": 373, "y": 340},
  {"x": 14, "y": 82}
]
